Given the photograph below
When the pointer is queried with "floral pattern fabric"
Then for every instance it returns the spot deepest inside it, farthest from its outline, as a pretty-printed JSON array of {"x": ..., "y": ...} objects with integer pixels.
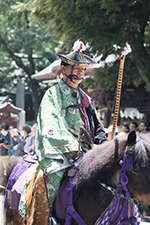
[{"x": 54, "y": 119}]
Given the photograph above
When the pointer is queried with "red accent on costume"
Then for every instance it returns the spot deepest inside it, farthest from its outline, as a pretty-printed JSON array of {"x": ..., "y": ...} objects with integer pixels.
[{"x": 81, "y": 46}]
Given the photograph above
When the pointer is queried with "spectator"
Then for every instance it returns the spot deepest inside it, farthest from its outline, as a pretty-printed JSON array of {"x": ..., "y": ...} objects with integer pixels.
[
  {"x": 29, "y": 147},
  {"x": 12, "y": 147},
  {"x": 143, "y": 127},
  {"x": 4, "y": 146},
  {"x": 124, "y": 130},
  {"x": 133, "y": 126},
  {"x": 20, "y": 138}
]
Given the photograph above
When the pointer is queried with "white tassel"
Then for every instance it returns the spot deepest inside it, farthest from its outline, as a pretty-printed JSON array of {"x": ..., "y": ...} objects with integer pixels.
[{"x": 79, "y": 46}]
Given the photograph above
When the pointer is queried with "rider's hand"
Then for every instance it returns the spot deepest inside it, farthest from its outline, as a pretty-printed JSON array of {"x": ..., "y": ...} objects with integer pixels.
[
  {"x": 94, "y": 145},
  {"x": 70, "y": 155}
]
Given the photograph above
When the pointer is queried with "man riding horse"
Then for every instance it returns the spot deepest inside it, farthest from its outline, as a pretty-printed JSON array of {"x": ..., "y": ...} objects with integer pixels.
[
  {"x": 65, "y": 107},
  {"x": 112, "y": 178}
]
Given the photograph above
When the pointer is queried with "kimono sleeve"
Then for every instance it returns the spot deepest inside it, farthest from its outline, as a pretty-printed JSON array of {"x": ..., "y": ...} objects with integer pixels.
[
  {"x": 52, "y": 135},
  {"x": 96, "y": 125}
]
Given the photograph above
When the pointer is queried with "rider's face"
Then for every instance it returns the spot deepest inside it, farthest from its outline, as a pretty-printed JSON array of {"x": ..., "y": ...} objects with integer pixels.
[{"x": 77, "y": 70}]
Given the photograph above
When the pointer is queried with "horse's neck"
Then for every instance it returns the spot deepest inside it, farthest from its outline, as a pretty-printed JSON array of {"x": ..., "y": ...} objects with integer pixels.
[
  {"x": 95, "y": 201},
  {"x": 113, "y": 179}
]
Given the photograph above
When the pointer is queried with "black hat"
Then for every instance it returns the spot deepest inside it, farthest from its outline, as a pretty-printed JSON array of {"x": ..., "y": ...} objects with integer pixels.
[{"x": 76, "y": 57}]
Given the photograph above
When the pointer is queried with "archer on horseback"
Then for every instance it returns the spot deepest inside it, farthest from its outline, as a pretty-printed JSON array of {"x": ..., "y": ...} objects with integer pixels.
[{"x": 65, "y": 107}]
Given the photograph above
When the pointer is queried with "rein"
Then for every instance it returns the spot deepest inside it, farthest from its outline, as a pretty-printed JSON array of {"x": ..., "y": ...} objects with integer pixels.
[
  {"x": 121, "y": 210},
  {"x": 71, "y": 212},
  {"x": 133, "y": 200}
]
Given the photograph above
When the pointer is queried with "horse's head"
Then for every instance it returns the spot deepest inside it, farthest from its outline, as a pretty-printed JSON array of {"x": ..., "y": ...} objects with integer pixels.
[
  {"x": 139, "y": 187},
  {"x": 123, "y": 164},
  {"x": 139, "y": 175}
]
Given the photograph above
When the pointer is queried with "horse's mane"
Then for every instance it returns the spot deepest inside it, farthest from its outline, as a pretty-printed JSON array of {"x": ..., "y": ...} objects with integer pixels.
[{"x": 101, "y": 161}]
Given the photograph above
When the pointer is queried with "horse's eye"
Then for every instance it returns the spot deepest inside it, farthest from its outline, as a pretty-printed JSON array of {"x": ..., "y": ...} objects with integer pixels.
[{"x": 136, "y": 169}]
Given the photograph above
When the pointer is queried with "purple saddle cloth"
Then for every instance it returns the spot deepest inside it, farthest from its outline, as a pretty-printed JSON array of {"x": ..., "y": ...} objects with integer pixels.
[
  {"x": 25, "y": 163},
  {"x": 61, "y": 201},
  {"x": 18, "y": 188}
]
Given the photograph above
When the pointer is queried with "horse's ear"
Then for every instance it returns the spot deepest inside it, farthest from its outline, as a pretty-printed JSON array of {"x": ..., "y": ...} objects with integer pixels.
[{"x": 131, "y": 138}]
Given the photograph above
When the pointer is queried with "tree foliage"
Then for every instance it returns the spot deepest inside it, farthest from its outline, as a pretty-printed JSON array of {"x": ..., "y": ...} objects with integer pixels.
[
  {"x": 25, "y": 48},
  {"x": 104, "y": 24}
]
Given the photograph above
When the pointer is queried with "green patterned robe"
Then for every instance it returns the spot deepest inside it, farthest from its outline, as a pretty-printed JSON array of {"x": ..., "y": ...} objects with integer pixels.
[{"x": 53, "y": 138}]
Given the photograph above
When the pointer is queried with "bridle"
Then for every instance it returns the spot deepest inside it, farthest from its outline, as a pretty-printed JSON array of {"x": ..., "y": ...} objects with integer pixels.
[
  {"x": 124, "y": 193},
  {"x": 132, "y": 200},
  {"x": 113, "y": 191}
]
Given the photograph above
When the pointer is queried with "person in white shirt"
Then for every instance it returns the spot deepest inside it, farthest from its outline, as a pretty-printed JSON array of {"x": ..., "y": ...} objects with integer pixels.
[{"x": 125, "y": 129}]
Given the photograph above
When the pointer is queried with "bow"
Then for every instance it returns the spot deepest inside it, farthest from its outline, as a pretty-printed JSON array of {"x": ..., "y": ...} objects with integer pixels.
[{"x": 118, "y": 94}]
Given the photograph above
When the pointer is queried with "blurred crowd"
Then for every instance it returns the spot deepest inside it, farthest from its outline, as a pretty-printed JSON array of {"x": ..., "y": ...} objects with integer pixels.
[
  {"x": 17, "y": 142},
  {"x": 126, "y": 128},
  {"x": 14, "y": 144}
]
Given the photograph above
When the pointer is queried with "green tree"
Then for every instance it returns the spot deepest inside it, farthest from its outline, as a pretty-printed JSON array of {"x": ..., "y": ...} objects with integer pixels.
[
  {"x": 107, "y": 25},
  {"x": 25, "y": 48}
]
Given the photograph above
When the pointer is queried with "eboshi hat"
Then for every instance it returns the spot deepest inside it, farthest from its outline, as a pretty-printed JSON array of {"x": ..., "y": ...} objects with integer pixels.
[{"x": 76, "y": 57}]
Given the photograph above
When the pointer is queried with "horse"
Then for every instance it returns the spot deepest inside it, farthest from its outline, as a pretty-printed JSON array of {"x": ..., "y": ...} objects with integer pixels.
[
  {"x": 112, "y": 180},
  {"x": 101, "y": 166}
]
